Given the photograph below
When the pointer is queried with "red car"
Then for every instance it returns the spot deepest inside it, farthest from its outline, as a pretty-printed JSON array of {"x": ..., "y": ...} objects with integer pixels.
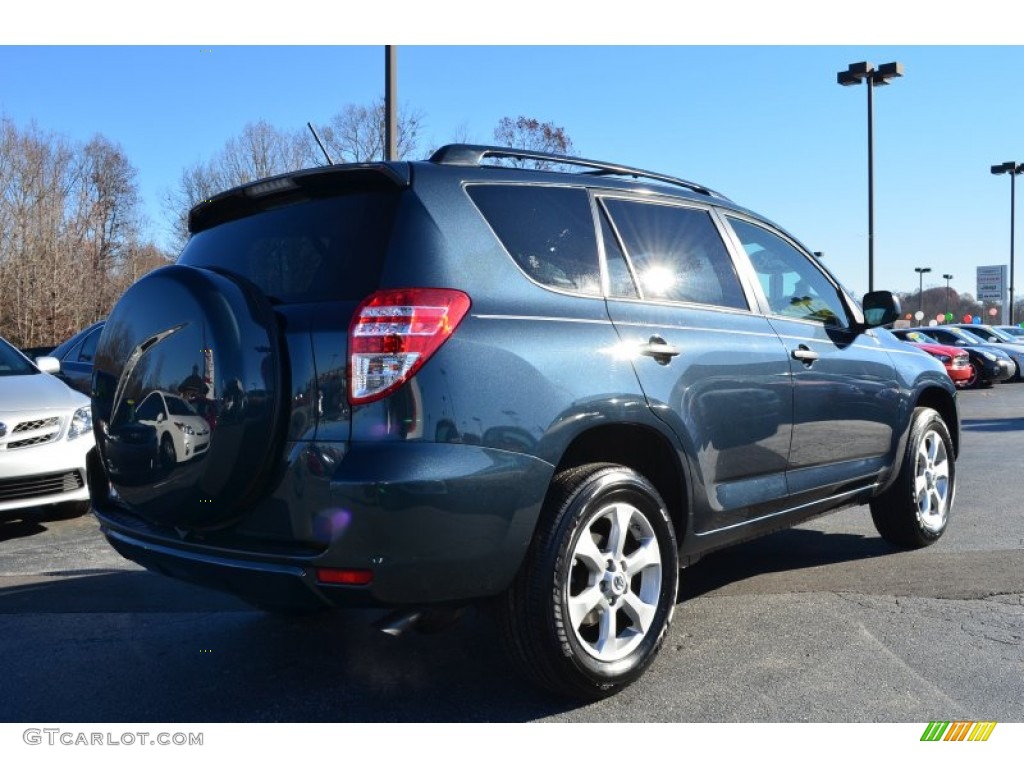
[{"x": 956, "y": 360}]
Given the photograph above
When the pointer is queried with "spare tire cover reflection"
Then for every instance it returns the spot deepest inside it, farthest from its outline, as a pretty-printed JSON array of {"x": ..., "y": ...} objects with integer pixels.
[{"x": 187, "y": 396}]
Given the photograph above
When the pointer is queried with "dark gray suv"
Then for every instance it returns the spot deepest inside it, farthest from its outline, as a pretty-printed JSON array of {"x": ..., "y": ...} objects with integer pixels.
[{"x": 433, "y": 383}]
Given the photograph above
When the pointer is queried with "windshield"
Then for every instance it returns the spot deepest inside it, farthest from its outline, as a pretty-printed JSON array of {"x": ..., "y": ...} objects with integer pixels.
[
  {"x": 967, "y": 336},
  {"x": 1001, "y": 334},
  {"x": 919, "y": 338},
  {"x": 13, "y": 363}
]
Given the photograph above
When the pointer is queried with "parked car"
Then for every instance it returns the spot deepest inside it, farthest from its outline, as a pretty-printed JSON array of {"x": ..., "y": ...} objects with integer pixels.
[
  {"x": 1013, "y": 330},
  {"x": 76, "y": 358},
  {"x": 991, "y": 362},
  {"x": 452, "y": 381},
  {"x": 45, "y": 438},
  {"x": 1007, "y": 343},
  {"x": 956, "y": 360}
]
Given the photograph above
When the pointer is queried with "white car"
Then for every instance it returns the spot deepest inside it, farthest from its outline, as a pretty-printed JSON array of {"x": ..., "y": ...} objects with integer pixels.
[
  {"x": 45, "y": 436},
  {"x": 181, "y": 432}
]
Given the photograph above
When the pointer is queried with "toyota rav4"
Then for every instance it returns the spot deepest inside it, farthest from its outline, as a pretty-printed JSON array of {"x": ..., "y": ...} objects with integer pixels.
[{"x": 547, "y": 388}]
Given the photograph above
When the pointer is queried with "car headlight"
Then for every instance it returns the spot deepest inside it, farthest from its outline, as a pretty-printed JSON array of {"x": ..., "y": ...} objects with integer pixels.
[
  {"x": 943, "y": 358},
  {"x": 81, "y": 422},
  {"x": 186, "y": 428},
  {"x": 989, "y": 356}
]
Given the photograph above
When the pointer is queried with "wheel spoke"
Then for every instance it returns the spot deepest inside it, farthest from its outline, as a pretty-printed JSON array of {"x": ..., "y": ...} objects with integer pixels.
[
  {"x": 640, "y": 612},
  {"x": 606, "y": 638},
  {"x": 920, "y": 484},
  {"x": 621, "y": 515},
  {"x": 647, "y": 555},
  {"x": 587, "y": 552}
]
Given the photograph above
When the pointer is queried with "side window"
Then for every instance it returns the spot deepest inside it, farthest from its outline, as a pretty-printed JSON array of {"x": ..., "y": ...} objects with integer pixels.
[
  {"x": 88, "y": 348},
  {"x": 794, "y": 286},
  {"x": 150, "y": 408},
  {"x": 548, "y": 231},
  {"x": 677, "y": 253},
  {"x": 620, "y": 281}
]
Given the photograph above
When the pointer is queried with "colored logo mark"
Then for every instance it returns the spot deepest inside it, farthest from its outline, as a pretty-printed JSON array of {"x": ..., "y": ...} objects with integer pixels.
[{"x": 958, "y": 731}]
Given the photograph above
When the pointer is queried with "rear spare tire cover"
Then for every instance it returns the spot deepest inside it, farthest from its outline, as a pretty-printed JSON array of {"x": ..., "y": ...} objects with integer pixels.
[{"x": 190, "y": 359}]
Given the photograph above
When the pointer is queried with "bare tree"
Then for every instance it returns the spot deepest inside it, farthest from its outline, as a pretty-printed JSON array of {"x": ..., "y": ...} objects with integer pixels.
[
  {"x": 356, "y": 133},
  {"x": 69, "y": 228},
  {"x": 261, "y": 150},
  {"x": 531, "y": 134}
]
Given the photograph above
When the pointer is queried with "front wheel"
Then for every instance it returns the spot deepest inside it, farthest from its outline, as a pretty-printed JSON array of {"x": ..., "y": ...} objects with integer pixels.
[
  {"x": 914, "y": 511},
  {"x": 589, "y": 609}
]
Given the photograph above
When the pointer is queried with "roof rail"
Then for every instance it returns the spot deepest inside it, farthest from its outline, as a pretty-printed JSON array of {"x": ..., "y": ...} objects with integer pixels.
[{"x": 475, "y": 154}]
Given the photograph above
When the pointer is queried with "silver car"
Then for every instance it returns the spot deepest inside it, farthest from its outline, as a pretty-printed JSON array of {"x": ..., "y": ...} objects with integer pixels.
[{"x": 45, "y": 436}]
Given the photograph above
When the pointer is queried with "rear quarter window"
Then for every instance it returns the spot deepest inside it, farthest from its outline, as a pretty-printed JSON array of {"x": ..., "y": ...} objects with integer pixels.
[{"x": 548, "y": 231}]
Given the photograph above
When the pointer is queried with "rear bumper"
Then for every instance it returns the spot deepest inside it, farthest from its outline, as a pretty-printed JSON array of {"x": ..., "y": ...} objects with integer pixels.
[{"x": 432, "y": 522}]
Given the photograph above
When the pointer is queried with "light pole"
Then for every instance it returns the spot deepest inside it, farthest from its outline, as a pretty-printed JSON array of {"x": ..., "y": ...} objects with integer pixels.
[
  {"x": 390, "y": 103},
  {"x": 873, "y": 76},
  {"x": 947, "y": 279},
  {"x": 1013, "y": 169},
  {"x": 920, "y": 290}
]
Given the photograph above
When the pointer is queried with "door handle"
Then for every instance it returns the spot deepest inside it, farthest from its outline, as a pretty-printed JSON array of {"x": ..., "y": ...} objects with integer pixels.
[
  {"x": 805, "y": 354},
  {"x": 659, "y": 349}
]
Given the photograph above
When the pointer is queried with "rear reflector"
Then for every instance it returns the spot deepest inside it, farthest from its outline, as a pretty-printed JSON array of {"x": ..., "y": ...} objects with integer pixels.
[
  {"x": 356, "y": 577},
  {"x": 394, "y": 332}
]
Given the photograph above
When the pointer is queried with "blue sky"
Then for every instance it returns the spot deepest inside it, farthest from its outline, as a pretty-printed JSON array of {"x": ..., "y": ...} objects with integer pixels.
[{"x": 765, "y": 124}]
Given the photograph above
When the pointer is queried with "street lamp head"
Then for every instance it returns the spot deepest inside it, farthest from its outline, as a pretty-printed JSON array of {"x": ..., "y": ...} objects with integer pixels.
[
  {"x": 1007, "y": 167},
  {"x": 922, "y": 270},
  {"x": 855, "y": 73},
  {"x": 947, "y": 277},
  {"x": 885, "y": 72}
]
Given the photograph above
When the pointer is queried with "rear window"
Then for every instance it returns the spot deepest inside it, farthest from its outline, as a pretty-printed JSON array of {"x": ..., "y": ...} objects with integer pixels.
[{"x": 323, "y": 249}]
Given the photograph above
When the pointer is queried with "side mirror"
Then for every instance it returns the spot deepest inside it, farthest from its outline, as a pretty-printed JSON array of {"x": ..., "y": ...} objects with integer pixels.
[
  {"x": 48, "y": 364},
  {"x": 880, "y": 308}
]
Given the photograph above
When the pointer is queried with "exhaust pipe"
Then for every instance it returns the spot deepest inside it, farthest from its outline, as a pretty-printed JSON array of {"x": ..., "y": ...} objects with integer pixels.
[{"x": 398, "y": 622}]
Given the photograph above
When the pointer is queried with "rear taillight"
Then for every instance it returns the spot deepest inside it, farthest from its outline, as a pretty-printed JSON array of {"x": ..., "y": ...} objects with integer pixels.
[{"x": 394, "y": 332}]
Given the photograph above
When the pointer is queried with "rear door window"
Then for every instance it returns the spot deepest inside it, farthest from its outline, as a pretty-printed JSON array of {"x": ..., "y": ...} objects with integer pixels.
[{"x": 677, "y": 253}]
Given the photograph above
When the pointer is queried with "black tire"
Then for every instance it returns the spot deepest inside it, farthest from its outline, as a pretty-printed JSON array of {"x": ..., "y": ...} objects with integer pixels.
[
  {"x": 68, "y": 510},
  {"x": 914, "y": 511},
  {"x": 168, "y": 456},
  {"x": 544, "y": 616},
  {"x": 975, "y": 379}
]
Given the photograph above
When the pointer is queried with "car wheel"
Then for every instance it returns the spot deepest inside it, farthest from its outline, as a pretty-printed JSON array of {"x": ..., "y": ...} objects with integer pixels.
[
  {"x": 68, "y": 510},
  {"x": 914, "y": 511},
  {"x": 168, "y": 456},
  {"x": 975, "y": 378},
  {"x": 589, "y": 609}
]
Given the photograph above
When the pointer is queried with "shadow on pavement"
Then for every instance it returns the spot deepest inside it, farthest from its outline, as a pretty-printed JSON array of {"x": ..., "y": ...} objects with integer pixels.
[
  {"x": 132, "y": 646},
  {"x": 789, "y": 550},
  {"x": 20, "y": 527}
]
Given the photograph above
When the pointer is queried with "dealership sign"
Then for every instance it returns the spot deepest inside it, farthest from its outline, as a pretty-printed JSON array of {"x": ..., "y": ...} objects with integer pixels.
[{"x": 992, "y": 283}]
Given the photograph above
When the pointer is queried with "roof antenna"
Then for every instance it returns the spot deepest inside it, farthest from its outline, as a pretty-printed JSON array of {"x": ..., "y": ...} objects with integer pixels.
[{"x": 320, "y": 144}]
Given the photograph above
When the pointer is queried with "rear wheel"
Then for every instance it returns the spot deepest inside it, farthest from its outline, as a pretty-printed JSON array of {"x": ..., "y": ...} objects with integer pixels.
[
  {"x": 914, "y": 512},
  {"x": 590, "y": 607}
]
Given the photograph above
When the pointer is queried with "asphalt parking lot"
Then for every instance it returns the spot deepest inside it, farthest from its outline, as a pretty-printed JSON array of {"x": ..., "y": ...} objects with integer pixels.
[{"x": 822, "y": 623}]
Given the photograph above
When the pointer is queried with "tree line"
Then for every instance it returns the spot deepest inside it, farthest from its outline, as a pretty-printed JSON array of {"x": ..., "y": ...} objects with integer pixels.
[{"x": 72, "y": 233}]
